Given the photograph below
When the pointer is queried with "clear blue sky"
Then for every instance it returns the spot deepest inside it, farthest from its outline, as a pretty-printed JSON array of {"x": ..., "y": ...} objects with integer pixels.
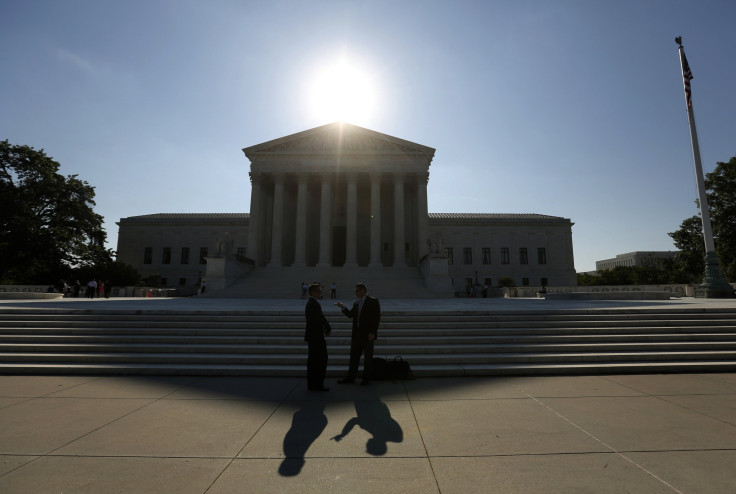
[{"x": 566, "y": 108}]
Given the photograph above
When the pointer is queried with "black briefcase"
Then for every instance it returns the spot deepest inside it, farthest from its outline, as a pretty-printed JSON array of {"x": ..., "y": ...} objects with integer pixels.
[{"x": 392, "y": 370}]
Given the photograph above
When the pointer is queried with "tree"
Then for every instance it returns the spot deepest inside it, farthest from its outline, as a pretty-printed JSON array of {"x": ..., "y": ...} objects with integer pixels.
[
  {"x": 720, "y": 187},
  {"x": 47, "y": 224},
  {"x": 689, "y": 240}
]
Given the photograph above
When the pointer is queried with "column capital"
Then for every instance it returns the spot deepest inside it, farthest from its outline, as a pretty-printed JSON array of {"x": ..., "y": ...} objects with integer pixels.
[{"x": 255, "y": 177}]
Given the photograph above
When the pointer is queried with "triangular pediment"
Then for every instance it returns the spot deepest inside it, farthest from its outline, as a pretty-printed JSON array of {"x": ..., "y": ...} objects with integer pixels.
[{"x": 338, "y": 139}]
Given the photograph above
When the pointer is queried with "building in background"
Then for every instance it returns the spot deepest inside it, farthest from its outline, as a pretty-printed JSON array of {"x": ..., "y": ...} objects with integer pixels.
[
  {"x": 343, "y": 203},
  {"x": 638, "y": 258}
]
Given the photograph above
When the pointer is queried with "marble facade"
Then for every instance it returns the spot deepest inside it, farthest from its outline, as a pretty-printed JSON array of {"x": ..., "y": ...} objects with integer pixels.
[{"x": 344, "y": 196}]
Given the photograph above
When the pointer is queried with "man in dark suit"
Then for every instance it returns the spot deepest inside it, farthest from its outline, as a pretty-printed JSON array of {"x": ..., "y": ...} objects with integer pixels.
[
  {"x": 317, "y": 328},
  {"x": 366, "y": 314}
]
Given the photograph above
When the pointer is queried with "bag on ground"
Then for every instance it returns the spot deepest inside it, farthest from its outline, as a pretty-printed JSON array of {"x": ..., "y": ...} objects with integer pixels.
[{"x": 395, "y": 369}]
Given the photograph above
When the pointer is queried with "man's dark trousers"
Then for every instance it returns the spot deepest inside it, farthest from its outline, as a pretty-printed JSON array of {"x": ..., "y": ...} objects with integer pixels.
[{"x": 316, "y": 363}]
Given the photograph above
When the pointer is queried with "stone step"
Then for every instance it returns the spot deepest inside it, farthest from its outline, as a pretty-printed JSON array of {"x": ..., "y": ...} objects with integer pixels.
[
  {"x": 335, "y": 371},
  {"x": 344, "y": 336},
  {"x": 297, "y": 347},
  {"x": 337, "y": 317},
  {"x": 342, "y": 358},
  {"x": 447, "y": 330},
  {"x": 220, "y": 343},
  {"x": 286, "y": 282}
]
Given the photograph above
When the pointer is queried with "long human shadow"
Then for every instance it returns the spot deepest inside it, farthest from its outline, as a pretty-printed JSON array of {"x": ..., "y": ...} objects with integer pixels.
[
  {"x": 306, "y": 426},
  {"x": 375, "y": 418}
]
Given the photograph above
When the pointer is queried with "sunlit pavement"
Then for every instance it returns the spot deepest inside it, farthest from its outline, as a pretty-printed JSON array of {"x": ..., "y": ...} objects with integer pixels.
[{"x": 633, "y": 433}]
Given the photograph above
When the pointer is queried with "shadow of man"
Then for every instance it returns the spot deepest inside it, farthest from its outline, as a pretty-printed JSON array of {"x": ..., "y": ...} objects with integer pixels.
[
  {"x": 375, "y": 418},
  {"x": 306, "y": 426}
]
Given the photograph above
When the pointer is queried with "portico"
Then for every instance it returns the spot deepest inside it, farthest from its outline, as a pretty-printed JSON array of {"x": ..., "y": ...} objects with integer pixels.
[{"x": 338, "y": 195}]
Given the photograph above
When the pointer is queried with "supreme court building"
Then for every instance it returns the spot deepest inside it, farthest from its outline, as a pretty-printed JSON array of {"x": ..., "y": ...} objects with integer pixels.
[{"x": 345, "y": 204}]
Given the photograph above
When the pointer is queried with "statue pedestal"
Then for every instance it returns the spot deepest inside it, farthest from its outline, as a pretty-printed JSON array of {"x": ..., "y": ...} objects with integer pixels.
[
  {"x": 435, "y": 270},
  {"x": 223, "y": 271}
]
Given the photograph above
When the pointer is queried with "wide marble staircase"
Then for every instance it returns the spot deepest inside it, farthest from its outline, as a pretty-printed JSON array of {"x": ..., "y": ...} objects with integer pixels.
[
  {"x": 56, "y": 341},
  {"x": 286, "y": 282}
]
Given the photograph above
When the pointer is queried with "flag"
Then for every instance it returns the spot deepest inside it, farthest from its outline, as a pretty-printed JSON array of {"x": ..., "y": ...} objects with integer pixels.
[{"x": 687, "y": 75}]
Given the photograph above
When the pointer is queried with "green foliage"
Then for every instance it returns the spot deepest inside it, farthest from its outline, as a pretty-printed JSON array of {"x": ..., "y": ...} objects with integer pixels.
[
  {"x": 506, "y": 281},
  {"x": 47, "y": 224},
  {"x": 115, "y": 273},
  {"x": 720, "y": 187},
  {"x": 662, "y": 273},
  {"x": 689, "y": 240}
]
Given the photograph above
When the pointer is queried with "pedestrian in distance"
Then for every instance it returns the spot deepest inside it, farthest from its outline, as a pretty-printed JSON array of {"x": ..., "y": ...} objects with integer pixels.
[
  {"x": 366, "y": 315},
  {"x": 316, "y": 330}
]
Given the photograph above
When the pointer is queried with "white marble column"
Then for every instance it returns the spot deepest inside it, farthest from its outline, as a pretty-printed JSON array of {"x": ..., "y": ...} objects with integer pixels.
[
  {"x": 254, "y": 220},
  {"x": 423, "y": 215},
  {"x": 375, "y": 260},
  {"x": 277, "y": 230},
  {"x": 325, "y": 224},
  {"x": 300, "y": 248},
  {"x": 399, "y": 247},
  {"x": 351, "y": 223}
]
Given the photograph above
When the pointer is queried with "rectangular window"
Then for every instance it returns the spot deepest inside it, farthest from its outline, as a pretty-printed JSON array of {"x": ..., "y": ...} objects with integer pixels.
[
  {"x": 488, "y": 282},
  {"x": 241, "y": 251},
  {"x": 486, "y": 252},
  {"x": 148, "y": 255},
  {"x": 525, "y": 281},
  {"x": 185, "y": 255},
  {"x": 202, "y": 255},
  {"x": 166, "y": 257},
  {"x": 544, "y": 281},
  {"x": 467, "y": 255},
  {"x": 523, "y": 256},
  {"x": 542, "y": 255},
  {"x": 164, "y": 281},
  {"x": 505, "y": 255},
  {"x": 182, "y": 281},
  {"x": 450, "y": 256}
]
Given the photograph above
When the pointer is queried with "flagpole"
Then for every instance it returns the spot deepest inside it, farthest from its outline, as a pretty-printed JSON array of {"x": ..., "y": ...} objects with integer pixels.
[{"x": 714, "y": 283}]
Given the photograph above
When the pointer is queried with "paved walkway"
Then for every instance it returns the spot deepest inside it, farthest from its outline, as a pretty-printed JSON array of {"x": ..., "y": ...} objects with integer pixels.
[
  {"x": 647, "y": 434},
  {"x": 297, "y": 304}
]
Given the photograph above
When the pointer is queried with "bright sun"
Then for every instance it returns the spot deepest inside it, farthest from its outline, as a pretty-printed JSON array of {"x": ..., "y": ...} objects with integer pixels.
[{"x": 342, "y": 92}]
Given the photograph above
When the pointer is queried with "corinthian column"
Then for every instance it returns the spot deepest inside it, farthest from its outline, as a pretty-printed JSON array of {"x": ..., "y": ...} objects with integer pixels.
[
  {"x": 325, "y": 224},
  {"x": 375, "y": 220},
  {"x": 278, "y": 220},
  {"x": 399, "y": 255},
  {"x": 423, "y": 215},
  {"x": 300, "y": 252},
  {"x": 351, "y": 223},
  {"x": 255, "y": 218}
]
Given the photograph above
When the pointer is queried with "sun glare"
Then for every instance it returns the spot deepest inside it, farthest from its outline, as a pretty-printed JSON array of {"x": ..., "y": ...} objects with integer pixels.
[{"x": 342, "y": 92}]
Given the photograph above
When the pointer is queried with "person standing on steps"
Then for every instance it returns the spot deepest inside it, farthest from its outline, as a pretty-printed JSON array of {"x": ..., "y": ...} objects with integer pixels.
[
  {"x": 366, "y": 315},
  {"x": 317, "y": 328}
]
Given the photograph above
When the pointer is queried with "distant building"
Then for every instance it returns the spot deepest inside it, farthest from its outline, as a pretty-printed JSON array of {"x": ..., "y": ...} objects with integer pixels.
[
  {"x": 638, "y": 258},
  {"x": 342, "y": 203}
]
